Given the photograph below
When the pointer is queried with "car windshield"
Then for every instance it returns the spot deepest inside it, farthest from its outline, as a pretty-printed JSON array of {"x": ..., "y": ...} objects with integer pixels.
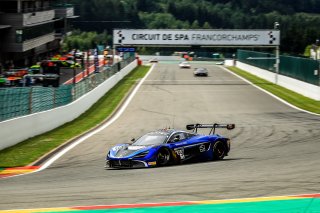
[
  {"x": 153, "y": 138},
  {"x": 201, "y": 70}
]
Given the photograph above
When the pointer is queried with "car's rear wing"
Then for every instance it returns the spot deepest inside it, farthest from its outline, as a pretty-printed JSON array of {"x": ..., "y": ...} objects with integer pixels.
[{"x": 213, "y": 127}]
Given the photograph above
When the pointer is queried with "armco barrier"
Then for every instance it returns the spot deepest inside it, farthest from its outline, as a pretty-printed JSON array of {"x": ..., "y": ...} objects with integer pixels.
[
  {"x": 18, "y": 129},
  {"x": 303, "y": 88}
]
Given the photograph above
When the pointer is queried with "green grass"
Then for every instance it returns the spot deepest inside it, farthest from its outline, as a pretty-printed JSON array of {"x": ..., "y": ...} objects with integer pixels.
[
  {"x": 291, "y": 97},
  {"x": 32, "y": 149}
]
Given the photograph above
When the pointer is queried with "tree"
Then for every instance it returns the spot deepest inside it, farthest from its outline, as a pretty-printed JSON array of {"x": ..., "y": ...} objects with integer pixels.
[
  {"x": 206, "y": 25},
  {"x": 307, "y": 51},
  {"x": 85, "y": 40},
  {"x": 299, "y": 21},
  {"x": 195, "y": 25}
]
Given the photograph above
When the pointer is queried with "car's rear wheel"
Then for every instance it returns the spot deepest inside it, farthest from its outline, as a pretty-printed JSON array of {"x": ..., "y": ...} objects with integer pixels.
[
  {"x": 163, "y": 157},
  {"x": 219, "y": 151}
]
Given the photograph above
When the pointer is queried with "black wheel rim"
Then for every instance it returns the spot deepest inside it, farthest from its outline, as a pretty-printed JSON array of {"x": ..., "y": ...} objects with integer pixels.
[
  {"x": 219, "y": 151},
  {"x": 163, "y": 157}
]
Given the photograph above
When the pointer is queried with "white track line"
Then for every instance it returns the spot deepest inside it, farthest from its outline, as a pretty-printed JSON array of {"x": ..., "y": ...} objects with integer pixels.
[
  {"x": 269, "y": 93},
  {"x": 193, "y": 80}
]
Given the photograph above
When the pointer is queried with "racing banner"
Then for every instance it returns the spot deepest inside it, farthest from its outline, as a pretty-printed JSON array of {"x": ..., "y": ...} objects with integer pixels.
[{"x": 196, "y": 37}]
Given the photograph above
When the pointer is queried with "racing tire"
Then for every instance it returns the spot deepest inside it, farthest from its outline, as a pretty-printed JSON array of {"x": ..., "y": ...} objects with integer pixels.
[
  {"x": 219, "y": 150},
  {"x": 163, "y": 157}
]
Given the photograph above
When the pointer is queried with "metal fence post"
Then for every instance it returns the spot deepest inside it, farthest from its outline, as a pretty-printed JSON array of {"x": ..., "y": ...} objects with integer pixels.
[
  {"x": 88, "y": 63},
  {"x": 318, "y": 72},
  {"x": 54, "y": 97},
  {"x": 277, "y": 63},
  {"x": 30, "y": 100}
]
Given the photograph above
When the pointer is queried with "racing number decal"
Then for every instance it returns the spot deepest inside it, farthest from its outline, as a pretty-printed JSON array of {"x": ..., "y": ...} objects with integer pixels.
[
  {"x": 117, "y": 148},
  {"x": 202, "y": 148},
  {"x": 180, "y": 152}
]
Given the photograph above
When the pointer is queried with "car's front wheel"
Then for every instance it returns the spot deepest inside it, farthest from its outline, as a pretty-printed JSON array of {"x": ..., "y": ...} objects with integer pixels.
[
  {"x": 219, "y": 151},
  {"x": 163, "y": 157}
]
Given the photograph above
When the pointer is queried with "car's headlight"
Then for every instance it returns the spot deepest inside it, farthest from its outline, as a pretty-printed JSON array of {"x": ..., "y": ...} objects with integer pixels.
[{"x": 142, "y": 154}]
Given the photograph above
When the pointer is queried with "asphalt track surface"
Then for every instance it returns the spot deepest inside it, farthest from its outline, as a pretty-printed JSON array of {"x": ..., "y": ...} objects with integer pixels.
[{"x": 275, "y": 149}]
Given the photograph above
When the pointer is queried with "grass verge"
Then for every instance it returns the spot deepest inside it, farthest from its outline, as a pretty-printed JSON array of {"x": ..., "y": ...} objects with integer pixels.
[
  {"x": 32, "y": 149},
  {"x": 289, "y": 96}
]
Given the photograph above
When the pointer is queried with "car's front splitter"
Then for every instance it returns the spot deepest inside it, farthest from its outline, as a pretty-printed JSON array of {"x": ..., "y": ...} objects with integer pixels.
[{"x": 121, "y": 163}]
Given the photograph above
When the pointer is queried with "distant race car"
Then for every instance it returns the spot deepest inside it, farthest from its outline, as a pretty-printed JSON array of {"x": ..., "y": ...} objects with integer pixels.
[
  {"x": 185, "y": 64},
  {"x": 168, "y": 146},
  {"x": 220, "y": 63},
  {"x": 153, "y": 60},
  {"x": 200, "y": 72}
]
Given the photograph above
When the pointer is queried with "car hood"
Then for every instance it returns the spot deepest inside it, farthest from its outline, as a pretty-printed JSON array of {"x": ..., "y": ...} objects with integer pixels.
[{"x": 126, "y": 150}]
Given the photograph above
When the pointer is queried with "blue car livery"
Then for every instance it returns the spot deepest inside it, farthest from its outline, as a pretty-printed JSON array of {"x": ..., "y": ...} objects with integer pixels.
[{"x": 169, "y": 146}]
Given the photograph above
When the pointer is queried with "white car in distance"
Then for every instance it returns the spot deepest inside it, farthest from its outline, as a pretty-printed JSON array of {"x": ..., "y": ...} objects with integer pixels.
[{"x": 185, "y": 64}]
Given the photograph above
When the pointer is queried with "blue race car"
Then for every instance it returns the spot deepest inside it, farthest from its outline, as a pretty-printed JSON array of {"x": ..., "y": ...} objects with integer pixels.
[{"x": 169, "y": 146}]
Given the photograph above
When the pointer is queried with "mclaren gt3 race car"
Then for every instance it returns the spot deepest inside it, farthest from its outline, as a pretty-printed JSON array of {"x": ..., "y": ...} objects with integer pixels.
[{"x": 169, "y": 146}]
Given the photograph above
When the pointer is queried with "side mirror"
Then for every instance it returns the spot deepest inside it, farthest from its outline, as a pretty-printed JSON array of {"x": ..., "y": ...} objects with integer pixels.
[{"x": 133, "y": 140}]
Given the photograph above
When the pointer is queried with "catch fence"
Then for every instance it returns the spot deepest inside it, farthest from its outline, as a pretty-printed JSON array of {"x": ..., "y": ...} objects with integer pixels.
[
  {"x": 21, "y": 101},
  {"x": 303, "y": 69}
]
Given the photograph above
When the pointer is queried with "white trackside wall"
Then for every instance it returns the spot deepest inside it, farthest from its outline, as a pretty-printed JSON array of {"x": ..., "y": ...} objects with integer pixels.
[{"x": 303, "y": 88}]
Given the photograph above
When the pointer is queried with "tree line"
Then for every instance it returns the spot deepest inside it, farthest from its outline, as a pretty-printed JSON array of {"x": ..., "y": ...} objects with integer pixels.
[{"x": 299, "y": 19}]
